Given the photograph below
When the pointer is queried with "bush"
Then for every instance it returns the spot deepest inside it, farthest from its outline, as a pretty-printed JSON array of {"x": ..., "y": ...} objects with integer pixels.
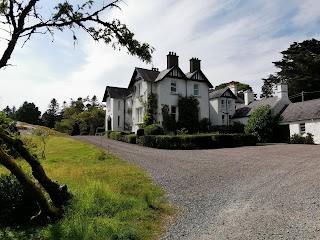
[
  {"x": 131, "y": 138},
  {"x": 198, "y": 141},
  {"x": 299, "y": 139},
  {"x": 17, "y": 203},
  {"x": 108, "y": 133},
  {"x": 140, "y": 132},
  {"x": 154, "y": 129},
  {"x": 118, "y": 135}
]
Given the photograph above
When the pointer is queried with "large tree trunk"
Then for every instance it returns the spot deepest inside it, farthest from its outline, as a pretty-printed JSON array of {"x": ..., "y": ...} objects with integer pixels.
[
  {"x": 58, "y": 194},
  {"x": 24, "y": 179}
]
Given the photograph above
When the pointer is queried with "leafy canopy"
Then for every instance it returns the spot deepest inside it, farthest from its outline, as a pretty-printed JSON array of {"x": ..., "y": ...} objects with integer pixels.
[
  {"x": 299, "y": 67},
  {"x": 240, "y": 86},
  {"x": 22, "y": 19}
]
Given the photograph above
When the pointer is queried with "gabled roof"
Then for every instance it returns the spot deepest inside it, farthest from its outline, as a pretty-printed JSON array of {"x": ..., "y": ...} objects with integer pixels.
[
  {"x": 302, "y": 111},
  {"x": 246, "y": 110},
  {"x": 174, "y": 72},
  {"x": 115, "y": 92},
  {"x": 146, "y": 74},
  {"x": 223, "y": 92},
  {"x": 198, "y": 76}
]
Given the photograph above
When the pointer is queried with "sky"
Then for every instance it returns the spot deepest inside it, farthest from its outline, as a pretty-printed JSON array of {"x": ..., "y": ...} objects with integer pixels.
[{"x": 236, "y": 40}]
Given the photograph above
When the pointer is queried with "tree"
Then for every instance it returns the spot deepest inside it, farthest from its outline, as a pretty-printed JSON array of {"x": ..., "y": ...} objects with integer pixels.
[
  {"x": 299, "y": 68},
  {"x": 28, "y": 113},
  {"x": 43, "y": 137},
  {"x": 240, "y": 86},
  {"x": 23, "y": 19},
  {"x": 261, "y": 123},
  {"x": 188, "y": 113},
  {"x": 51, "y": 115}
]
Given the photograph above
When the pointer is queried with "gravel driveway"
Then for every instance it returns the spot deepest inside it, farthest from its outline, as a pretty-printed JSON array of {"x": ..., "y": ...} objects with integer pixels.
[{"x": 263, "y": 192}]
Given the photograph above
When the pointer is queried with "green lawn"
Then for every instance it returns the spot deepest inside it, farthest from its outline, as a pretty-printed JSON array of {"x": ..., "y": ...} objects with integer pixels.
[{"x": 113, "y": 198}]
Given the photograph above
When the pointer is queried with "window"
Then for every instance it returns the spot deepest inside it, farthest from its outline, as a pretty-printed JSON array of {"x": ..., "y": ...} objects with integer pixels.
[
  {"x": 302, "y": 128},
  {"x": 229, "y": 104},
  {"x": 174, "y": 112},
  {"x": 139, "y": 115},
  {"x": 196, "y": 89},
  {"x": 222, "y": 103},
  {"x": 118, "y": 121},
  {"x": 223, "y": 121},
  {"x": 139, "y": 89},
  {"x": 119, "y": 105},
  {"x": 173, "y": 87}
]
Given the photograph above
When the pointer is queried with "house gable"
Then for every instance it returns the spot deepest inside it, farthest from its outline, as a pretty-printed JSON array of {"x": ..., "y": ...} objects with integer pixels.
[
  {"x": 174, "y": 72},
  {"x": 199, "y": 76}
]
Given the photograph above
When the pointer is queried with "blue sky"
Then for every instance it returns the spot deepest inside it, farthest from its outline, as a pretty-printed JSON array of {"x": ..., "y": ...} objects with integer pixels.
[{"x": 237, "y": 40}]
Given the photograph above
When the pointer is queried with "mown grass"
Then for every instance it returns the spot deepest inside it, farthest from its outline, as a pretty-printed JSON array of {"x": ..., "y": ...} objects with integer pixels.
[{"x": 113, "y": 199}]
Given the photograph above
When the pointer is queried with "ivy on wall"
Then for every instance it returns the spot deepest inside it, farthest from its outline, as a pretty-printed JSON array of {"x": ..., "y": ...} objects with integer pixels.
[
  {"x": 151, "y": 109},
  {"x": 169, "y": 123},
  {"x": 188, "y": 113}
]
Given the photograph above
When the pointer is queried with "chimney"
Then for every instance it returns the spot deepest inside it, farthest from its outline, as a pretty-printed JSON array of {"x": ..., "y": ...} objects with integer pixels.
[
  {"x": 172, "y": 60},
  {"x": 195, "y": 64},
  {"x": 233, "y": 88},
  {"x": 282, "y": 91},
  {"x": 248, "y": 97}
]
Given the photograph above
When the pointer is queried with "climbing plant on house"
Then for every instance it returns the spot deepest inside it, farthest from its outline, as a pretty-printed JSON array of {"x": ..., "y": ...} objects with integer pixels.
[
  {"x": 169, "y": 124},
  {"x": 188, "y": 108},
  {"x": 151, "y": 109}
]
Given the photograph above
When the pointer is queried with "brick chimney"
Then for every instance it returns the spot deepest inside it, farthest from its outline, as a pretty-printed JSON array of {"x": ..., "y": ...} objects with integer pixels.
[
  {"x": 172, "y": 60},
  {"x": 233, "y": 88},
  {"x": 195, "y": 64}
]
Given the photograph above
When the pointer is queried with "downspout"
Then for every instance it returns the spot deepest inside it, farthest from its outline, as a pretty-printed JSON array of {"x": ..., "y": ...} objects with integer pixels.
[{"x": 124, "y": 114}]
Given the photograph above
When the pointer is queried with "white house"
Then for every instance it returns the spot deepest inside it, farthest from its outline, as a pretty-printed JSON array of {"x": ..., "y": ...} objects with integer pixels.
[
  {"x": 303, "y": 117},
  {"x": 277, "y": 103},
  {"x": 125, "y": 107}
]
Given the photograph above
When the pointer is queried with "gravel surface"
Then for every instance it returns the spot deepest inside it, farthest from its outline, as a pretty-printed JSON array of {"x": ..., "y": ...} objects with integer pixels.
[{"x": 262, "y": 192}]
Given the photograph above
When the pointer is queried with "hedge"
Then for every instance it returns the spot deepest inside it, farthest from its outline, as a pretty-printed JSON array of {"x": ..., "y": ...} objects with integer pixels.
[
  {"x": 154, "y": 129},
  {"x": 117, "y": 135},
  {"x": 131, "y": 138},
  {"x": 199, "y": 141}
]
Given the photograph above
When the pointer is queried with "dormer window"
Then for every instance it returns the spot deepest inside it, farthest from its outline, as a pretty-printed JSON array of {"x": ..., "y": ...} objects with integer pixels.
[
  {"x": 173, "y": 86},
  {"x": 196, "y": 89}
]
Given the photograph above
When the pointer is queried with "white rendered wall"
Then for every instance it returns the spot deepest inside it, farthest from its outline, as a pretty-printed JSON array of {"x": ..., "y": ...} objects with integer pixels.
[
  {"x": 312, "y": 127},
  {"x": 109, "y": 111},
  {"x": 118, "y": 111},
  {"x": 217, "y": 110}
]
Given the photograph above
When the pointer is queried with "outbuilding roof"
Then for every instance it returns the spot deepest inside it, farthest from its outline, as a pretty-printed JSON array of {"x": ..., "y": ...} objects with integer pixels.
[
  {"x": 302, "y": 111},
  {"x": 115, "y": 92}
]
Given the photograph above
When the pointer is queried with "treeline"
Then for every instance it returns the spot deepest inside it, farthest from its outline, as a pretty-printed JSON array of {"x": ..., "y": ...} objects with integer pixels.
[{"x": 80, "y": 117}]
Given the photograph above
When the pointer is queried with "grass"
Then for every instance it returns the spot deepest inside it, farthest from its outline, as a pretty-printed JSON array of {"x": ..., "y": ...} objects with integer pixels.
[{"x": 113, "y": 198}]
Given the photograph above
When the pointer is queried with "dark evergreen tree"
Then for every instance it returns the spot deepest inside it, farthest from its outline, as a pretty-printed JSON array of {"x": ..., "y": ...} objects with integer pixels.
[
  {"x": 299, "y": 68},
  {"x": 28, "y": 113},
  {"x": 51, "y": 115}
]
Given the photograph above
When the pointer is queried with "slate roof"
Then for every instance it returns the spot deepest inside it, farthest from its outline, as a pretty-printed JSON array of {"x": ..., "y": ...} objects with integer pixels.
[
  {"x": 246, "y": 110},
  {"x": 218, "y": 93},
  {"x": 115, "y": 92},
  {"x": 162, "y": 74},
  {"x": 148, "y": 75},
  {"x": 302, "y": 111},
  {"x": 189, "y": 75}
]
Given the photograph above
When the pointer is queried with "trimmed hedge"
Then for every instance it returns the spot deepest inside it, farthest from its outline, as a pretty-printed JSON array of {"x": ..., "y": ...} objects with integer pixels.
[
  {"x": 153, "y": 129},
  {"x": 131, "y": 138},
  {"x": 200, "y": 141},
  {"x": 117, "y": 135}
]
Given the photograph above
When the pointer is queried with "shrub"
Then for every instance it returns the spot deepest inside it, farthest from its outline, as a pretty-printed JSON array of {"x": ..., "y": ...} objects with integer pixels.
[
  {"x": 131, "y": 138},
  {"x": 140, "y": 132},
  {"x": 118, "y": 135},
  {"x": 17, "y": 203},
  {"x": 299, "y": 139},
  {"x": 154, "y": 129},
  {"x": 198, "y": 141}
]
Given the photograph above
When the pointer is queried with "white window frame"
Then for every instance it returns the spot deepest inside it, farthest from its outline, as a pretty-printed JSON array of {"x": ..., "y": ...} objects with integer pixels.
[
  {"x": 196, "y": 89},
  {"x": 139, "y": 115},
  {"x": 222, "y": 103},
  {"x": 173, "y": 86},
  {"x": 229, "y": 103},
  {"x": 302, "y": 128},
  {"x": 174, "y": 115}
]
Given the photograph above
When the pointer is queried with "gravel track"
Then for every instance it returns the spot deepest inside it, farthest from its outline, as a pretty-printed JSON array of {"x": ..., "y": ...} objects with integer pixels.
[{"x": 262, "y": 192}]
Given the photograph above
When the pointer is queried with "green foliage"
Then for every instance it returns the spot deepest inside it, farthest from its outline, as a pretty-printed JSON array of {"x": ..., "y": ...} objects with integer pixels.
[
  {"x": 154, "y": 129},
  {"x": 262, "y": 123},
  {"x": 17, "y": 203},
  {"x": 151, "y": 109},
  {"x": 5, "y": 122},
  {"x": 204, "y": 125},
  {"x": 51, "y": 115},
  {"x": 299, "y": 139},
  {"x": 140, "y": 132},
  {"x": 299, "y": 67},
  {"x": 118, "y": 135},
  {"x": 169, "y": 124},
  {"x": 28, "y": 113},
  {"x": 43, "y": 136},
  {"x": 198, "y": 141},
  {"x": 240, "y": 86},
  {"x": 188, "y": 113},
  {"x": 131, "y": 138}
]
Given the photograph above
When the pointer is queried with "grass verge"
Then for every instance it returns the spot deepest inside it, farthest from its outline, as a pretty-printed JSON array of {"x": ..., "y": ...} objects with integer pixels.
[{"x": 113, "y": 198}]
